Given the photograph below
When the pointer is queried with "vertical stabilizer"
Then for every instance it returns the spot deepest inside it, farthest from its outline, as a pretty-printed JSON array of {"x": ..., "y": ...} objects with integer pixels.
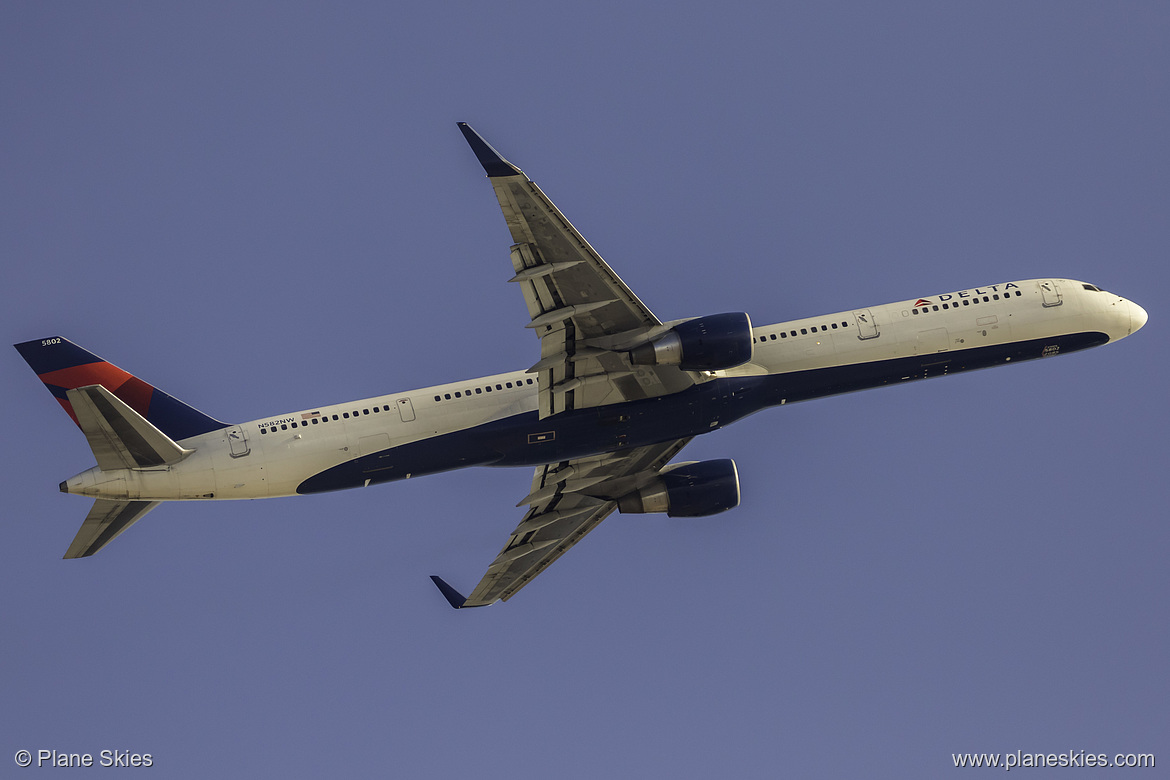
[{"x": 64, "y": 366}]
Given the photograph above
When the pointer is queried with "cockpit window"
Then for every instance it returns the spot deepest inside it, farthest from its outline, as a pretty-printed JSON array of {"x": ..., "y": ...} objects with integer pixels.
[{"x": 1091, "y": 287}]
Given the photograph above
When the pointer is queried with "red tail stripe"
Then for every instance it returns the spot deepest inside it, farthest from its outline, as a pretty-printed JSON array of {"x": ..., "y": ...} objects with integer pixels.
[
  {"x": 128, "y": 387},
  {"x": 68, "y": 407}
]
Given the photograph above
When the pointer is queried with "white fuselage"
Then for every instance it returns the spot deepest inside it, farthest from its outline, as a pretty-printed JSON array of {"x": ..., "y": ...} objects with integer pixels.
[{"x": 275, "y": 455}]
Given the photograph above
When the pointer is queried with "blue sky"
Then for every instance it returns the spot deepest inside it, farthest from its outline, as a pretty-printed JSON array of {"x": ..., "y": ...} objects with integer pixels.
[{"x": 266, "y": 207}]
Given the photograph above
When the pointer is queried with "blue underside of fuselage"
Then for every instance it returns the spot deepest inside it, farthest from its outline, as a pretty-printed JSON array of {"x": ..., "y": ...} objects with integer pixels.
[{"x": 526, "y": 440}]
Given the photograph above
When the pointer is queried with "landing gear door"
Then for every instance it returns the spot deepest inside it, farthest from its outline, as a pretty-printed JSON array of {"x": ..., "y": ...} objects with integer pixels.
[
  {"x": 238, "y": 441},
  {"x": 1050, "y": 291},
  {"x": 866, "y": 327}
]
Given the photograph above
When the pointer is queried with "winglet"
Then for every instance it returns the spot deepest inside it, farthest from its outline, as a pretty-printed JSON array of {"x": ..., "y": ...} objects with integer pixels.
[
  {"x": 491, "y": 160},
  {"x": 454, "y": 597}
]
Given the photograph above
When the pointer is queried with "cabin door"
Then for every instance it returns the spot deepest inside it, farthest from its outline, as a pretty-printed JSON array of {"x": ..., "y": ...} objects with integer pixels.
[
  {"x": 1051, "y": 292},
  {"x": 238, "y": 441},
  {"x": 866, "y": 327}
]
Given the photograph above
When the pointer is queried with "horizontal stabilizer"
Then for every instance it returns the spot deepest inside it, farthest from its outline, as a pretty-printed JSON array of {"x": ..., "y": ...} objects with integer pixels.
[
  {"x": 120, "y": 437},
  {"x": 104, "y": 522}
]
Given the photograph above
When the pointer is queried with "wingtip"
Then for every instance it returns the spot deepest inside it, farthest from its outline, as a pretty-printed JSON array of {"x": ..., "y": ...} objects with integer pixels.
[
  {"x": 492, "y": 161},
  {"x": 454, "y": 597}
]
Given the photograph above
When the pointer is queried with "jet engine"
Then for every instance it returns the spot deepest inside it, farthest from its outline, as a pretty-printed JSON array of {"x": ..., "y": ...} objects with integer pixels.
[
  {"x": 705, "y": 344},
  {"x": 690, "y": 489}
]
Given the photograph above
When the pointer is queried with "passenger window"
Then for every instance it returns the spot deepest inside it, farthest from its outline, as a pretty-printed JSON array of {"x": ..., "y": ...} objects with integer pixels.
[
  {"x": 500, "y": 388},
  {"x": 345, "y": 415},
  {"x": 314, "y": 421},
  {"x": 448, "y": 396},
  {"x": 966, "y": 302},
  {"x": 458, "y": 394},
  {"x": 478, "y": 391},
  {"x": 437, "y": 398},
  {"x": 334, "y": 417},
  {"x": 365, "y": 411},
  {"x": 804, "y": 331},
  {"x": 509, "y": 384},
  {"x": 263, "y": 430},
  {"x": 284, "y": 427},
  {"x": 376, "y": 410},
  {"x": 935, "y": 308},
  {"x": 783, "y": 335}
]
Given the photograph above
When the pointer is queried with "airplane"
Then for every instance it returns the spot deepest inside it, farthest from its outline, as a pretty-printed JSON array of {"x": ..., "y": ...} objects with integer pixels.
[{"x": 616, "y": 394}]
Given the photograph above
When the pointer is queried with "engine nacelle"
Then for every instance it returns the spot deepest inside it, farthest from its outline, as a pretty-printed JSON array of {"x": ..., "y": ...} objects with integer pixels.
[
  {"x": 704, "y": 344},
  {"x": 687, "y": 490}
]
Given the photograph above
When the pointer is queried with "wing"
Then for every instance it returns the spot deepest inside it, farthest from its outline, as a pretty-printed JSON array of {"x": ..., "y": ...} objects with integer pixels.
[
  {"x": 585, "y": 315},
  {"x": 567, "y": 501}
]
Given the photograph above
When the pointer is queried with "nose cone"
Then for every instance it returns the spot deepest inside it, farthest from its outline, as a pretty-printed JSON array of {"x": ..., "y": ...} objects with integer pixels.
[{"x": 1137, "y": 317}]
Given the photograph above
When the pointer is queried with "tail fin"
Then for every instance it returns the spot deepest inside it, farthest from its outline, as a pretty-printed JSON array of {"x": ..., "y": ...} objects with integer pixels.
[{"x": 64, "y": 366}]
